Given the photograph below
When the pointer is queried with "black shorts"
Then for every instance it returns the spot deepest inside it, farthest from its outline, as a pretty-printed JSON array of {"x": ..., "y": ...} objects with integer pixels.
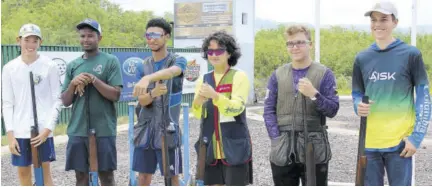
[
  {"x": 227, "y": 175},
  {"x": 146, "y": 161},
  {"x": 77, "y": 153}
]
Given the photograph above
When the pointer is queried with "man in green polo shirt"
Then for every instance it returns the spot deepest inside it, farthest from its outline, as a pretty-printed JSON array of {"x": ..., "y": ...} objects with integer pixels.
[{"x": 96, "y": 75}]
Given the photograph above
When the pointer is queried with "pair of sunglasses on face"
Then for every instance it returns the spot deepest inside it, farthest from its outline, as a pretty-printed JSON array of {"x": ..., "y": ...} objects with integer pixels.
[
  {"x": 216, "y": 52},
  {"x": 298, "y": 43},
  {"x": 153, "y": 35}
]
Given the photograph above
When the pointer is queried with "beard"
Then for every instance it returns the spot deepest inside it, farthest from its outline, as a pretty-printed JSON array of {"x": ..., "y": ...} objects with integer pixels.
[
  {"x": 90, "y": 50},
  {"x": 161, "y": 47}
]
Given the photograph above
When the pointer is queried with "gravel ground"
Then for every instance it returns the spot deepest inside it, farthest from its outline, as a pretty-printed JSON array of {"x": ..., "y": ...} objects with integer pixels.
[
  {"x": 345, "y": 118},
  {"x": 342, "y": 165}
]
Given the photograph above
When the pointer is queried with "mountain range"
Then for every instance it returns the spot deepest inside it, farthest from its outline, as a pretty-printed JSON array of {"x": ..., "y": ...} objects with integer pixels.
[{"x": 270, "y": 24}]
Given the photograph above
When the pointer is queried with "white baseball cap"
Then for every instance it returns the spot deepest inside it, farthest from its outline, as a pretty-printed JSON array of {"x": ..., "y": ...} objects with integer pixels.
[
  {"x": 30, "y": 30},
  {"x": 384, "y": 7}
]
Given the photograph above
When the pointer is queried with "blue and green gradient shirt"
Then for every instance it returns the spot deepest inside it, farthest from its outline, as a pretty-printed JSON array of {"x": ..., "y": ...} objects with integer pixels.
[{"x": 390, "y": 77}]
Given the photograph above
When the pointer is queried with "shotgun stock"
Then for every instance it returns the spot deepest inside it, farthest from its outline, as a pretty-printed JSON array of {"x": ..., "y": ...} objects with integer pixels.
[
  {"x": 93, "y": 161},
  {"x": 165, "y": 160},
  {"x": 310, "y": 165},
  {"x": 93, "y": 174},
  {"x": 165, "y": 151},
  {"x": 361, "y": 157},
  {"x": 309, "y": 152},
  {"x": 202, "y": 149},
  {"x": 35, "y": 151}
]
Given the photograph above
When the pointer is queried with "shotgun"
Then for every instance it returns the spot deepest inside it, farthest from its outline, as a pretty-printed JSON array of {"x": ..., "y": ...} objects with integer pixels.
[
  {"x": 36, "y": 154},
  {"x": 202, "y": 151},
  {"x": 309, "y": 152},
  {"x": 165, "y": 160},
  {"x": 165, "y": 151},
  {"x": 93, "y": 161},
  {"x": 361, "y": 157},
  {"x": 132, "y": 175}
]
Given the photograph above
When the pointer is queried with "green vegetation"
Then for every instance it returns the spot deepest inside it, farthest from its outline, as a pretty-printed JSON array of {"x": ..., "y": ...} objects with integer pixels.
[
  {"x": 338, "y": 49},
  {"x": 58, "y": 18}
]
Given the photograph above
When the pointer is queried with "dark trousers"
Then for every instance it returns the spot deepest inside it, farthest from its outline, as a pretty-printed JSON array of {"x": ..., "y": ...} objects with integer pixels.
[{"x": 291, "y": 174}]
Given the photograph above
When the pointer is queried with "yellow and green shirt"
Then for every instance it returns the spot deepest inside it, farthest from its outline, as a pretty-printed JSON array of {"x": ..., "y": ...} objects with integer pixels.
[{"x": 239, "y": 95}]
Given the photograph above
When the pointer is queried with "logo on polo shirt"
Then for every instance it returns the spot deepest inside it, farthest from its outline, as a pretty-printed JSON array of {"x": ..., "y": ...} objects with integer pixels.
[
  {"x": 98, "y": 69},
  {"x": 37, "y": 79}
]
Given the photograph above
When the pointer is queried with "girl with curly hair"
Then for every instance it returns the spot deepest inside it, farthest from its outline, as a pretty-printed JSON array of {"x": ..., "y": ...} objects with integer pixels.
[{"x": 220, "y": 103}]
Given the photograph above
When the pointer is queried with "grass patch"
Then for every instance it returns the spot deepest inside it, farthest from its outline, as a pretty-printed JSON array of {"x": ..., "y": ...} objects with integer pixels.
[
  {"x": 4, "y": 140},
  {"x": 344, "y": 92},
  {"x": 260, "y": 112},
  {"x": 124, "y": 120},
  {"x": 60, "y": 129}
]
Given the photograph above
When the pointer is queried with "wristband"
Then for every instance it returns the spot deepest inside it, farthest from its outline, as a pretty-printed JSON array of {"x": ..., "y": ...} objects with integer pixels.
[{"x": 93, "y": 79}]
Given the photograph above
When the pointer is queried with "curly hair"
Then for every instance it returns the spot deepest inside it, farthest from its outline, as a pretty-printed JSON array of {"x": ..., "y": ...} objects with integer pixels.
[
  {"x": 225, "y": 41},
  {"x": 161, "y": 23}
]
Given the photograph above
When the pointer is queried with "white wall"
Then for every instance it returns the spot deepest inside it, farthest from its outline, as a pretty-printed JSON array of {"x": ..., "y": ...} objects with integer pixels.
[
  {"x": 245, "y": 35},
  {"x": 189, "y": 43}
]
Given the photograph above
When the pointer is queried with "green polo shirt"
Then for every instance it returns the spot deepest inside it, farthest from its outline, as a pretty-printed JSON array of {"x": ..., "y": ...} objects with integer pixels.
[{"x": 103, "y": 117}]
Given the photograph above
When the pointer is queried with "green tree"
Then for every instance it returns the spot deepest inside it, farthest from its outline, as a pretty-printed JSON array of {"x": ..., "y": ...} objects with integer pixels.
[
  {"x": 58, "y": 18},
  {"x": 338, "y": 49}
]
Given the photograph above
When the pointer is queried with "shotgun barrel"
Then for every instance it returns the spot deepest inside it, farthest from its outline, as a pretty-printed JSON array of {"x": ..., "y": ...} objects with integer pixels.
[
  {"x": 309, "y": 152},
  {"x": 165, "y": 151},
  {"x": 36, "y": 154},
  {"x": 361, "y": 157}
]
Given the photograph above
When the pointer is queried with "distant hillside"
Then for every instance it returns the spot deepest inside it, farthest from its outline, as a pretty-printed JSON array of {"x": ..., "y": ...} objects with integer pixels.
[{"x": 269, "y": 24}]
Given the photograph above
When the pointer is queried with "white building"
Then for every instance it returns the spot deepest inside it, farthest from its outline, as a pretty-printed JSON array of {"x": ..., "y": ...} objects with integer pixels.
[{"x": 196, "y": 19}]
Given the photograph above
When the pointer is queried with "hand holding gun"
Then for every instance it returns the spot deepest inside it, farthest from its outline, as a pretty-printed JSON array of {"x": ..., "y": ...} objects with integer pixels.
[{"x": 36, "y": 154}]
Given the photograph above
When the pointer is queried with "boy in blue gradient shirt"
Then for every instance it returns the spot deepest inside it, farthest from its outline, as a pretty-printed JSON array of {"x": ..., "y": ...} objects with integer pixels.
[{"x": 388, "y": 72}]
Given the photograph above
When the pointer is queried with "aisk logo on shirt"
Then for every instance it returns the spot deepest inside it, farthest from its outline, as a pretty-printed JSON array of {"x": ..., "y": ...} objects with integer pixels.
[{"x": 380, "y": 76}]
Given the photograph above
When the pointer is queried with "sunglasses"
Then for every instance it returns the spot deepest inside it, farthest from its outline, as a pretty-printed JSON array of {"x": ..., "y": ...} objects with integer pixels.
[
  {"x": 153, "y": 35},
  {"x": 216, "y": 52},
  {"x": 298, "y": 43}
]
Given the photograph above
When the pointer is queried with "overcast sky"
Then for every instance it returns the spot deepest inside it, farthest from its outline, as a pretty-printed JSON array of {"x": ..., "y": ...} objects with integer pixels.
[{"x": 332, "y": 11}]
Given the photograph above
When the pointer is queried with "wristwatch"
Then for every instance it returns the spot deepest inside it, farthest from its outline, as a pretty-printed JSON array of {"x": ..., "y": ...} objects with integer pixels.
[{"x": 315, "y": 96}]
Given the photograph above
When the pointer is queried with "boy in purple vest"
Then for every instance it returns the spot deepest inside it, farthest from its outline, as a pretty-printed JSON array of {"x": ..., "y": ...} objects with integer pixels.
[{"x": 290, "y": 86}]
